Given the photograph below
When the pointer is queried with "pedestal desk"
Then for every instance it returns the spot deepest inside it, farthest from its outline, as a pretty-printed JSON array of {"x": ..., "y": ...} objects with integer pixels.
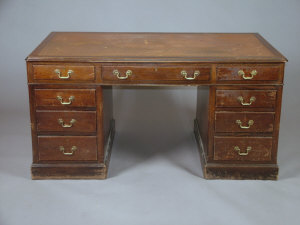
[{"x": 238, "y": 76}]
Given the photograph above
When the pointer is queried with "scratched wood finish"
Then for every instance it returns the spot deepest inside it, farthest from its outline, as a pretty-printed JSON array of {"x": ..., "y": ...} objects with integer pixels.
[
  {"x": 49, "y": 121},
  {"x": 230, "y": 98},
  {"x": 263, "y": 72},
  {"x": 49, "y": 148},
  {"x": 61, "y": 170},
  {"x": 261, "y": 149},
  {"x": 156, "y": 59},
  {"x": 227, "y": 122}
]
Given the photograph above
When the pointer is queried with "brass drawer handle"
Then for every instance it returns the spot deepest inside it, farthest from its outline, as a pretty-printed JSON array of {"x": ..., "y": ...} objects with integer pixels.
[
  {"x": 117, "y": 73},
  {"x": 241, "y": 99},
  {"x": 185, "y": 75},
  {"x": 57, "y": 71},
  {"x": 73, "y": 149},
  {"x": 252, "y": 73},
  {"x": 62, "y": 123},
  {"x": 250, "y": 123},
  {"x": 60, "y": 99},
  {"x": 248, "y": 149}
]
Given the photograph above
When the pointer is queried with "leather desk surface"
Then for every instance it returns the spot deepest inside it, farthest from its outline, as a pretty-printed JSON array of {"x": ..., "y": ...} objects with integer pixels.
[{"x": 195, "y": 47}]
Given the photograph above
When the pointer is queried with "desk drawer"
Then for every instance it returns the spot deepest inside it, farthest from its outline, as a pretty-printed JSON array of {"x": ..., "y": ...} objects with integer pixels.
[
  {"x": 67, "y": 148},
  {"x": 252, "y": 149},
  {"x": 246, "y": 98},
  {"x": 156, "y": 73},
  {"x": 66, "y": 121},
  {"x": 244, "y": 122},
  {"x": 248, "y": 72},
  {"x": 63, "y": 73},
  {"x": 65, "y": 98}
]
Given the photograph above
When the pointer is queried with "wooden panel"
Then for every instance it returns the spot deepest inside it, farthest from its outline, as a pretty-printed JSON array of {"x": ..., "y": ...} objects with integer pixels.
[
  {"x": 82, "y": 97},
  {"x": 107, "y": 113},
  {"x": 157, "y": 47},
  {"x": 277, "y": 122},
  {"x": 264, "y": 72},
  {"x": 261, "y": 148},
  {"x": 35, "y": 157},
  {"x": 79, "y": 121},
  {"x": 202, "y": 115},
  {"x": 234, "y": 121},
  {"x": 230, "y": 98},
  {"x": 76, "y": 73},
  {"x": 241, "y": 171},
  {"x": 49, "y": 148},
  {"x": 56, "y": 171},
  {"x": 156, "y": 73}
]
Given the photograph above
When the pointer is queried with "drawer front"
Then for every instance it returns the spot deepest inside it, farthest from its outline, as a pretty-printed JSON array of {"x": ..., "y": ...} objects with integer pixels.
[
  {"x": 246, "y": 98},
  {"x": 244, "y": 122},
  {"x": 252, "y": 149},
  {"x": 65, "y": 97},
  {"x": 156, "y": 73},
  {"x": 240, "y": 72},
  {"x": 67, "y": 148},
  {"x": 63, "y": 73},
  {"x": 66, "y": 121}
]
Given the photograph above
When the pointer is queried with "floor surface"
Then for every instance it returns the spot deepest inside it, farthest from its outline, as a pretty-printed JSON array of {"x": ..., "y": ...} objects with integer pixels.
[{"x": 150, "y": 182}]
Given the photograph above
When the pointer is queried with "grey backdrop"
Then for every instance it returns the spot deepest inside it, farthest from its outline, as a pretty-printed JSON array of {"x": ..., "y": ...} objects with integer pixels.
[{"x": 155, "y": 173}]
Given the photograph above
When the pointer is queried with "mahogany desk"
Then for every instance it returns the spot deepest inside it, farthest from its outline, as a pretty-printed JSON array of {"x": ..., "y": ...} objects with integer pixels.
[{"x": 239, "y": 79}]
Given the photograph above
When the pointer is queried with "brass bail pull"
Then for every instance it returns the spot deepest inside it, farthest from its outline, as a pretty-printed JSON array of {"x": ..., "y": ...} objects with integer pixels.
[
  {"x": 57, "y": 71},
  {"x": 60, "y": 99},
  {"x": 243, "y": 74},
  {"x": 250, "y": 123},
  {"x": 248, "y": 149},
  {"x": 195, "y": 75},
  {"x": 64, "y": 125},
  {"x": 73, "y": 149},
  {"x": 127, "y": 74},
  {"x": 241, "y": 100}
]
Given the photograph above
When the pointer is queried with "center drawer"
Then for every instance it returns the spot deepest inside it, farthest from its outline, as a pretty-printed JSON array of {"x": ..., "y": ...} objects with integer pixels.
[
  {"x": 156, "y": 73},
  {"x": 66, "y": 121}
]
